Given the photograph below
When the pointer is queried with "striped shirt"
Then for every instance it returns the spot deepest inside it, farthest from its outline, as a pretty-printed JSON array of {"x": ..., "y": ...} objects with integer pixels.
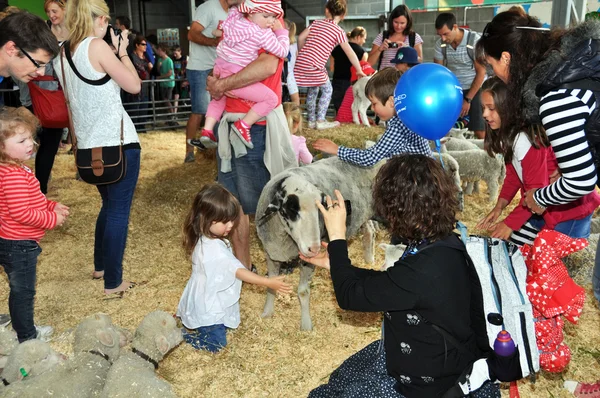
[
  {"x": 25, "y": 213},
  {"x": 243, "y": 38},
  {"x": 323, "y": 36},
  {"x": 564, "y": 113},
  {"x": 396, "y": 140},
  {"x": 390, "y": 53}
]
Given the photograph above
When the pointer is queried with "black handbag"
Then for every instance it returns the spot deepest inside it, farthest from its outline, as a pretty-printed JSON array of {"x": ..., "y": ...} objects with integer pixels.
[{"x": 100, "y": 165}]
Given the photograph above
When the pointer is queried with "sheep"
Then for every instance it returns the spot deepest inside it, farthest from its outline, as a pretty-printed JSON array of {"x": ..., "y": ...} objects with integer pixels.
[
  {"x": 133, "y": 374},
  {"x": 475, "y": 165},
  {"x": 361, "y": 103},
  {"x": 392, "y": 254},
  {"x": 95, "y": 346},
  {"x": 288, "y": 219},
  {"x": 452, "y": 167},
  {"x": 29, "y": 359},
  {"x": 460, "y": 133},
  {"x": 8, "y": 342},
  {"x": 595, "y": 226},
  {"x": 454, "y": 144}
]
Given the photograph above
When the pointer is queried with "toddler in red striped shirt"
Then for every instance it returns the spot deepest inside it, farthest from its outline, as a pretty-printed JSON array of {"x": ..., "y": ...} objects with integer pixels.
[
  {"x": 25, "y": 215},
  {"x": 252, "y": 26}
]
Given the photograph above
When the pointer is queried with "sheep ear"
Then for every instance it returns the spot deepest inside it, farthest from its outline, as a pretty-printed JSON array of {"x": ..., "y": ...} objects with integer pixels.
[
  {"x": 445, "y": 139},
  {"x": 125, "y": 336},
  {"x": 162, "y": 344},
  {"x": 383, "y": 246},
  {"x": 105, "y": 338}
]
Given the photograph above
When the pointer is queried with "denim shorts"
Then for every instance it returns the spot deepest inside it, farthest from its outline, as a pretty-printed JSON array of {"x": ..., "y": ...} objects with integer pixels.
[
  {"x": 198, "y": 94},
  {"x": 210, "y": 338},
  {"x": 248, "y": 175},
  {"x": 573, "y": 228}
]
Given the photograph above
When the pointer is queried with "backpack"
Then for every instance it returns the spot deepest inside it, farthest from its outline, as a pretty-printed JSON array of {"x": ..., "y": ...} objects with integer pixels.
[
  {"x": 412, "y": 36},
  {"x": 470, "y": 48}
]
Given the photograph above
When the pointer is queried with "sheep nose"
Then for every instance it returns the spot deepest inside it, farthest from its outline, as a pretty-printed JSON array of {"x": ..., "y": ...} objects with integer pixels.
[{"x": 314, "y": 248}]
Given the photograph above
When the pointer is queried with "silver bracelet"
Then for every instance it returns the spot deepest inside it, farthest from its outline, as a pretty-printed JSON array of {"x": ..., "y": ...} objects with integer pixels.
[{"x": 538, "y": 204}]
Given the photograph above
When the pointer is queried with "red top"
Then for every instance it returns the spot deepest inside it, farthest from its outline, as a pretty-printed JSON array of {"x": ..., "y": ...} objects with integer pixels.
[
  {"x": 25, "y": 213},
  {"x": 535, "y": 176},
  {"x": 344, "y": 114}
]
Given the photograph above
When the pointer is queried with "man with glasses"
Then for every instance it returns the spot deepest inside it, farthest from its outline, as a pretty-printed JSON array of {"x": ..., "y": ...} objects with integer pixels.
[
  {"x": 455, "y": 49},
  {"x": 26, "y": 46}
]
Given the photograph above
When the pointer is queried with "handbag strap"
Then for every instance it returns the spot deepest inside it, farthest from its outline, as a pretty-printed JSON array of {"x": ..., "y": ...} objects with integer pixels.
[
  {"x": 99, "y": 82},
  {"x": 67, "y": 101}
]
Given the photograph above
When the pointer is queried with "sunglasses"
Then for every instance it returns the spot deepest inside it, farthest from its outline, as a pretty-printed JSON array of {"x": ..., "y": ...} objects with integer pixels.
[
  {"x": 143, "y": 44},
  {"x": 36, "y": 63}
]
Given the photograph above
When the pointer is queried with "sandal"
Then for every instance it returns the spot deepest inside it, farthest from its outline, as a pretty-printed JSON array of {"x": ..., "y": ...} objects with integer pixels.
[
  {"x": 120, "y": 293},
  {"x": 98, "y": 275}
]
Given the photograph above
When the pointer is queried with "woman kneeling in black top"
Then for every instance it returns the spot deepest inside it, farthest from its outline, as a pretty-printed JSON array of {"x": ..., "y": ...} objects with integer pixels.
[{"x": 429, "y": 285}]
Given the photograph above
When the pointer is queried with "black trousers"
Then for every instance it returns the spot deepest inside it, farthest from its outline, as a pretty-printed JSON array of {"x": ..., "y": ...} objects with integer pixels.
[{"x": 49, "y": 140}]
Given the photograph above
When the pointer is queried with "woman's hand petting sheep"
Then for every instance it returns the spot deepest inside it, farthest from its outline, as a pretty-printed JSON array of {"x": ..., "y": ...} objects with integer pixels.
[
  {"x": 334, "y": 216},
  {"x": 321, "y": 260},
  {"x": 326, "y": 146},
  {"x": 501, "y": 231}
]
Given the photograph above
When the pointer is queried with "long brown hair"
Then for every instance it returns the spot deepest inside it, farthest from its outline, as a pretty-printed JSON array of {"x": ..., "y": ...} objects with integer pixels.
[
  {"x": 13, "y": 121},
  {"x": 501, "y": 141},
  {"x": 212, "y": 204},
  {"x": 417, "y": 198}
]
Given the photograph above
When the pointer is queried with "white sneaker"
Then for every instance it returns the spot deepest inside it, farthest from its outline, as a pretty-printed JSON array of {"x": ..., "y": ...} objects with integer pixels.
[
  {"x": 312, "y": 125},
  {"x": 44, "y": 332},
  {"x": 327, "y": 125}
]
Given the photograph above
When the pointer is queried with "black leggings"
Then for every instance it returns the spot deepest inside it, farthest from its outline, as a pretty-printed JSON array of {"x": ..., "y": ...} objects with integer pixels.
[{"x": 49, "y": 140}]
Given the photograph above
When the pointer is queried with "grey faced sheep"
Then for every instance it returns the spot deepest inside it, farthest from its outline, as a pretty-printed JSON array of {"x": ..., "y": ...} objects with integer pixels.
[
  {"x": 451, "y": 166},
  {"x": 8, "y": 342},
  {"x": 95, "y": 346},
  {"x": 392, "y": 254},
  {"x": 475, "y": 165},
  {"x": 133, "y": 374},
  {"x": 361, "y": 103},
  {"x": 28, "y": 360},
  {"x": 288, "y": 221}
]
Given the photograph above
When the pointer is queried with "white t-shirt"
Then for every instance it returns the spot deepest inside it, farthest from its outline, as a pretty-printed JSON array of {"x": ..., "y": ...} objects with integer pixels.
[
  {"x": 208, "y": 14},
  {"x": 212, "y": 295}
]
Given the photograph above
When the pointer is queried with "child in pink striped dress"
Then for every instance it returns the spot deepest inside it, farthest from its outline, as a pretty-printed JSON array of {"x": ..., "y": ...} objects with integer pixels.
[
  {"x": 315, "y": 44},
  {"x": 248, "y": 28}
]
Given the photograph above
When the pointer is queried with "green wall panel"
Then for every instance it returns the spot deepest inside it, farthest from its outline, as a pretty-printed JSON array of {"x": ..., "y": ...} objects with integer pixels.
[{"x": 34, "y": 6}]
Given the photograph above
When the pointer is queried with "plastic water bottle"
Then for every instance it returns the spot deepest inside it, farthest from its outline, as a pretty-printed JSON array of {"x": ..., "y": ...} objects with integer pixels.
[{"x": 504, "y": 344}]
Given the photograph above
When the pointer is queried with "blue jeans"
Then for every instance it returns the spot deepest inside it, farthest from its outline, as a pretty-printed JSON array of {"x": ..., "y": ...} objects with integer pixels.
[
  {"x": 210, "y": 338},
  {"x": 198, "y": 94},
  {"x": 19, "y": 259},
  {"x": 113, "y": 222},
  {"x": 248, "y": 175},
  {"x": 573, "y": 228}
]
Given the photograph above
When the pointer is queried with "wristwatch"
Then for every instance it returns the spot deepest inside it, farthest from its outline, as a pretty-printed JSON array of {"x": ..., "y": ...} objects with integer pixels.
[{"x": 468, "y": 100}]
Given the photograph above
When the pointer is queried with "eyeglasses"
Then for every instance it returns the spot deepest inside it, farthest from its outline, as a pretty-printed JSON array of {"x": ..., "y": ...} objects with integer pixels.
[{"x": 36, "y": 63}]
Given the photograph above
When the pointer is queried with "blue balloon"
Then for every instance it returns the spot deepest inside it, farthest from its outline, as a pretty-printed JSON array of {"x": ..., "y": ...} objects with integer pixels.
[{"x": 428, "y": 99}]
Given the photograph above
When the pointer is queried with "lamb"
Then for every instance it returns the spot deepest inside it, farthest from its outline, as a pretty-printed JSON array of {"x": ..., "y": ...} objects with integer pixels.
[
  {"x": 361, "y": 103},
  {"x": 455, "y": 144},
  {"x": 8, "y": 342},
  {"x": 29, "y": 359},
  {"x": 460, "y": 133},
  {"x": 392, "y": 254},
  {"x": 288, "y": 219},
  {"x": 95, "y": 346},
  {"x": 133, "y": 374},
  {"x": 475, "y": 165},
  {"x": 451, "y": 166}
]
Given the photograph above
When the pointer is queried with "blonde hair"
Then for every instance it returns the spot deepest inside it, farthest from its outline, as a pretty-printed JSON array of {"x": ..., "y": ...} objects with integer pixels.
[
  {"x": 359, "y": 31},
  {"x": 11, "y": 121},
  {"x": 8, "y": 11},
  {"x": 293, "y": 115},
  {"x": 80, "y": 18},
  {"x": 291, "y": 26},
  {"x": 60, "y": 3}
]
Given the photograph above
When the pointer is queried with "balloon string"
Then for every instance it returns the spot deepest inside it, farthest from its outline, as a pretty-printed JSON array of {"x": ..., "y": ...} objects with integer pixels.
[{"x": 438, "y": 147}]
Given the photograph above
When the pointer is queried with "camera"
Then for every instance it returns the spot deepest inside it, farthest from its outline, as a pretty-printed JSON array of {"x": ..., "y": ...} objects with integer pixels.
[
  {"x": 108, "y": 38},
  {"x": 393, "y": 45}
]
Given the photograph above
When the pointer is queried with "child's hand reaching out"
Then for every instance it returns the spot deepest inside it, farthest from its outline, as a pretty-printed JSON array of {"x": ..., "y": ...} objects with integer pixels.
[
  {"x": 278, "y": 284},
  {"x": 501, "y": 231},
  {"x": 326, "y": 146}
]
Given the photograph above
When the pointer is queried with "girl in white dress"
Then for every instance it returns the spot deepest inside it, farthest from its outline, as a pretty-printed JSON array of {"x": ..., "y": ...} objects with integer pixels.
[{"x": 210, "y": 301}]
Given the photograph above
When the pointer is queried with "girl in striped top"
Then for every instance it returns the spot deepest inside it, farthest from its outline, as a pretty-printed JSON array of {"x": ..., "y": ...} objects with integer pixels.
[
  {"x": 25, "y": 214},
  {"x": 315, "y": 44},
  {"x": 530, "y": 163},
  {"x": 252, "y": 26}
]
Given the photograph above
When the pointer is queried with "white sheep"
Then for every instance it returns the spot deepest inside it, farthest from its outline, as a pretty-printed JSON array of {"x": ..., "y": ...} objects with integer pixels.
[
  {"x": 595, "y": 226},
  {"x": 454, "y": 144},
  {"x": 133, "y": 374},
  {"x": 475, "y": 165},
  {"x": 8, "y": 342},
  {"x": 95, "y": 346},
  {"x": 361, "y": 103},
  {"x": 29, "y": 359},
  {"x": 460, "y": 133},
  {"x": 392, "y": 254},
  {"x": 453, "y": 168},
  {"x": 288, "y": 221}
]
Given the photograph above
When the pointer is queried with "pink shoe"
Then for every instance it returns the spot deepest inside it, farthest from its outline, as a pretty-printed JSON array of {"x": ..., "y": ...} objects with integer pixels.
[
  {"x": 208, "y": 134},
  {"x": 243, "y": 133},
  {"x": 588, "y": 390}
]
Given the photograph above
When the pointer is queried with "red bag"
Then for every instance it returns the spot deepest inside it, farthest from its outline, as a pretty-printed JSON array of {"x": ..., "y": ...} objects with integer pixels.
[{"x": 49, "y": 106}]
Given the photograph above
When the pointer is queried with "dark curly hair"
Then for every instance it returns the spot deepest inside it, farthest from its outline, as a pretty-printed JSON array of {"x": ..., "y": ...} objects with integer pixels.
[
  {"x": 337, "y": 8},
  {"x": 501, "y": 141},
  {"x": 416, "y": 197},
  {"x": 527, "y": 47}
]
